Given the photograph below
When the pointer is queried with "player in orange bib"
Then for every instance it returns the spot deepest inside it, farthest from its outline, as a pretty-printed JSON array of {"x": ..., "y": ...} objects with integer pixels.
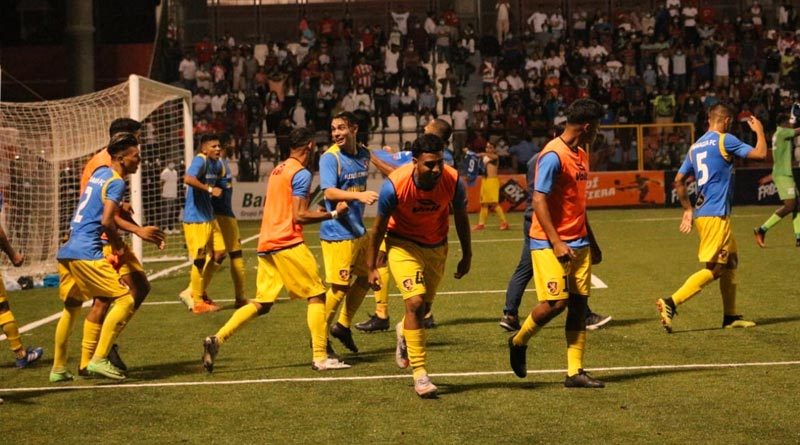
[{"x": 563, "y": 247}]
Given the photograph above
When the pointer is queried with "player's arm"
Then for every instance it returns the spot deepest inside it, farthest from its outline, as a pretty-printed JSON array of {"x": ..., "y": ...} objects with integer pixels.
[
  {"x": 109, "y": 224},
  {"x": 461, "y": 218},
  {"x": 5, "y": 245},
  {"x": 301, "y": 214},
  {"x": 329, "y": 180},
  {"x": 384, "y": 167},
  {"x": 387, "y": 202},
  {"x": 760, "y": 150},
  {"x": 683, "y": 197},
  {"x": 549, "y": 166},
  {"x": 191, "y": 178}
]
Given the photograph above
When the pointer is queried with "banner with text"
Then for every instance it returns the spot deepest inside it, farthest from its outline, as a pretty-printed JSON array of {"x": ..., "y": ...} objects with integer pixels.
[{"x": 752, "y": 186}]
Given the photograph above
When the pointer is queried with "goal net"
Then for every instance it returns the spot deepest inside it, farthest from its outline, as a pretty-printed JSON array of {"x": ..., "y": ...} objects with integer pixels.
[{"x": 45, "y": 145}]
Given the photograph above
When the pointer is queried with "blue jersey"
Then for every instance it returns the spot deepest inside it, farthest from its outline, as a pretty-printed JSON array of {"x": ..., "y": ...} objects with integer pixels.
[
  {"x": 710, "y": 161},
  {"x": 223, "y": 205},
  {"x": 338, "y": 169},
  {"x": 85, "y": 228},
  {"x": 198, "y": 203}
]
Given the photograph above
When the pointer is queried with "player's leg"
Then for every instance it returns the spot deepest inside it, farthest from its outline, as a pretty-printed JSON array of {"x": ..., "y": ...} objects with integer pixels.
[
  {"x": 196, "y": 236},
  {"x": 727, "y": 286},
  {"x": 92, "y": 325},
  {"x": 355, "y": 295},
  {"x": 73, "y": 299},
  {"x": 380, "y": 320},
  {"x": 796, "y": 223},
  {"x": 579, "y": 285},
  {"x": 229, "y": 229},
  {"x": 516, "y": 286},
  {"x": 339, "y": 258},
  {"x": 482, "y": 217},
  {"x": 498, "y": 210},
  {"x": 10, "y": 327},
  {"x": 788, "y": 193},
  {"x": 215, "y": 245}
]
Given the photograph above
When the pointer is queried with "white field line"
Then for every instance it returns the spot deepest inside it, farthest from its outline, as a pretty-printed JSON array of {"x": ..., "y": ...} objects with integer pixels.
[{"x": 694, "y": 366}]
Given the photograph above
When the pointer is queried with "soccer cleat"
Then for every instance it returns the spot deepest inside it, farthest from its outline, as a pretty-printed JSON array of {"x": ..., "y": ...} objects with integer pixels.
[
  {"x": 760, "y": 234},
  {"x": 582, "y": 380},
  {"x": 596, "y": 321},
  {"x": 510, "y": 323},
  {"x": 797, "y": 242},
  {"x": 401, "y": 351},
  {"x": 329, "y": 364},
  {"x": 115, "y": 359},
  {"x": 185, "y": 297},
  {"x": 425, "y": 388},
  {"x": 503, "y": 226},
  {"x": 105, "y": 369},
  {"x": 666, "y": 312},
  {"x": 204, "y": 307},
  {"x": 31, "y": 355},
  {"x": 428, "y": 322},
  {"x": 517, "y": 357},
  {"x": 61, "y": 376},
  {"x": 83, "y": 372},
  {"x": 344, "y": 335},
  {"x": 477, "y": 227},
  {"x": 736, "y": 321},
  {"x": 374, "y": 324},
  {"x": 210, "y": 350}
]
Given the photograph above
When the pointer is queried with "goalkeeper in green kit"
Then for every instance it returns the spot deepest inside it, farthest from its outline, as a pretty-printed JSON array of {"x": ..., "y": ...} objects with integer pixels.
[{"x": 783, "y": 179}]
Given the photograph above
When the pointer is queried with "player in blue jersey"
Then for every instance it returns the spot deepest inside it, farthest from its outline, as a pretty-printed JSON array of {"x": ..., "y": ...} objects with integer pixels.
[
  {"x": 343, "y": 171},
  {"x": 710, "y": 162},
  {"x": 85, "y": 272},
  {"x": 387, "y": 162},
  {"x": 227, "y": 238},
  {"x": 204, "y": 181}
]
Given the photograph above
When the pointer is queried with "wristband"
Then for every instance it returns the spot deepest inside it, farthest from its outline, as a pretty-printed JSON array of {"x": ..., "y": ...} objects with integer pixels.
[
  {"x": 210, "y": 189},
  {"x": 334, "y": 214}
]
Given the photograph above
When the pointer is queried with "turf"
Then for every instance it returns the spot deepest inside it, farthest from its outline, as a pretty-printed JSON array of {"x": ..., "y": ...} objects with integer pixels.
[{"x": 263, "y": 388}]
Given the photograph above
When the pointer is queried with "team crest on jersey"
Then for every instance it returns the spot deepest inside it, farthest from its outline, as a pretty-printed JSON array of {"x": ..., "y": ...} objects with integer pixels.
[
  {"x": 552, "y": 287},
  {"x": 344, "y": 274},
  {"x": 408, "y": 284},
  {"x": 723, "y": 255}
]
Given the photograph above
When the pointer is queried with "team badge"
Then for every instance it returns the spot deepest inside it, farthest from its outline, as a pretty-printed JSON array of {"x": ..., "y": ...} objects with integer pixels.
[
  {"x": 552, "y": 287},
  {"x": 344, "y": 274},
  {"x": 408, "y": 284}
]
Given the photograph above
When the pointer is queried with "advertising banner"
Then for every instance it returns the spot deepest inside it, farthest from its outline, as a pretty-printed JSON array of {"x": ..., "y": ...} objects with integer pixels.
[{"x": 752, "y": 186}]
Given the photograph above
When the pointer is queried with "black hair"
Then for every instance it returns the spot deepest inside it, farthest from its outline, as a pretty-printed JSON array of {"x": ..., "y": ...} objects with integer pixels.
[
  {"x": 123, "y": 125},
  {"x": 351, "y": 118},
  {"x": 584, "y": 111},
  {"x": 783, "y": 118},
  {"x": 427, "y": 143},
  {"x": 722, "y": 109},
  {"x": 300, "y": 137},
  {"x": 442, "y": 128},
  {"x": 120, "y": 142},
  {"x": 208, "y": 137}
]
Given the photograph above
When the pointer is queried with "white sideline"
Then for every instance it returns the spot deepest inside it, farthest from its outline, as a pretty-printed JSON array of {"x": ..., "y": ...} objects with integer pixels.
[{"x": 696, "y": 366}]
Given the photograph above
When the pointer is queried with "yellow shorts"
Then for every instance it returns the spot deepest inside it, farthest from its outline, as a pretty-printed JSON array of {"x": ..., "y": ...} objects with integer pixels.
[
  {"x": 716, "y": 239},
  {"x": 199, "y": 238},
  {"x": 294, "y": 268},
  {"x": 490, "y": 191},
  {"x": 417, "y": 270},
  {"x": 555, "y": 280},
  {"x": 83, "y": 280},
  {"x": 128, "y": 261},
  {"x": 226, "y": 239},
  {"x": 345, "y": 259}
]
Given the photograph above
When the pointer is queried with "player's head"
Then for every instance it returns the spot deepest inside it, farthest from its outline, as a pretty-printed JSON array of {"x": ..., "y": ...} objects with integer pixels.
[
  {"x": 124, "y": 150},
  {"x": 302, "y": 141},
  {"x": 721, "y": 116},
  {"x": 784, "y": 120},
  {"x": 225, "y": 144},
  {"x": 210, "y": 145},
  {"x": 583, "y": 118},
  {"x": 441, "y": 128},
  {"x": 490, "y": 147},
  {"x": 428, "y": 153},
  {"x": 124, "y": 125},
  {"x": 344, "y": 127}
]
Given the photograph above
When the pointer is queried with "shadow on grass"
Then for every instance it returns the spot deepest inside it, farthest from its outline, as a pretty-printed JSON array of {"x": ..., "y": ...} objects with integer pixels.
[
  {"x": 463, "y": 321},
  {"x": 619, "y": 322},
  {"x": 164, "y": 370},
  {"x": 777, "y": 320},
  {"x": 456, "y": 388}
]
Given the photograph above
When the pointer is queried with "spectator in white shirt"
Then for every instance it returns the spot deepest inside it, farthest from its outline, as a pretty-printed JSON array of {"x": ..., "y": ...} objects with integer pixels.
[
  {"x": 188, "y": 71},
  {"x": 169, "y": 199},
  {"x": 503, "y": 8},
  {"x": 515, "y": 82},
  {"x": 557, "y": 25},
  {"x": 721, "y": 69}
]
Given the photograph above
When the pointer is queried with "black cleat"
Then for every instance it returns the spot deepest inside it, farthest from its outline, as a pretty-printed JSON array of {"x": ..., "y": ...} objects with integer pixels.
[
  {"x": 760, "y": 234},
  {"x": 596, "y": 321},
  {"x": 582, "y": 380},
  {"x": 115, "y": 359},
  {"x": 344, "y": 335},
  {"x": 516, "y": 355},
  {"x": 210, "y": 350},
  {"x": 510, "y": 323},
  {"x": 374, "y": 324}
]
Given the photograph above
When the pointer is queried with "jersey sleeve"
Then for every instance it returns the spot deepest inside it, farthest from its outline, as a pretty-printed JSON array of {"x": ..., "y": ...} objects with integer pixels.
[
  {"x": 687, "y": 169},
  {"x": 784, "y": 133},
  {"x": 549, "y": 167},
  {"x": 328, "y": 171},
  {"x": 115, "y": 190},
  {"x": 736, "y": 147},
  {"x": 387, "y": 199},
  {"x": 301, "y": 183},
  {"x": 197, "y": 167},
  {"x": 460, "y": 196}
]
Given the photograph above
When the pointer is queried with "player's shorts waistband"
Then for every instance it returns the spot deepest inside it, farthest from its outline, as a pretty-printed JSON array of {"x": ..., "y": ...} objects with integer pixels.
[
  {"x": 429, "y": 246},
  {"x": 270, "y": 252}
]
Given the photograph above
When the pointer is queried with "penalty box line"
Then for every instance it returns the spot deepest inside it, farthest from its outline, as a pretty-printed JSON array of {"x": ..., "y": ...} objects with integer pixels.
[{"x": 693, "y": 366}]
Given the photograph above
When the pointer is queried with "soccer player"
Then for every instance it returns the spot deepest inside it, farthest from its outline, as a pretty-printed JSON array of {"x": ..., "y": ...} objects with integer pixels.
[
  {"x": 8, "y": 323},
  {"x": 784, "y": 180},
  {"x": 227, "y": 238},
  {"x": 204, "y": 181},
  {"x": 127, "y": 265},
  {"x": 524, "y": 272},
  {"x": 283, "y": 257},
  {"x": 710, "y": 161},
  {"x": 562, "y": 245},
  {"x": 490, "y": 189},
  {"x": 86, "y": 271},
  {"x": 414, "y": 216},
  {"x": 386, "y": 164},
  {"x": 343, "y": 171}
]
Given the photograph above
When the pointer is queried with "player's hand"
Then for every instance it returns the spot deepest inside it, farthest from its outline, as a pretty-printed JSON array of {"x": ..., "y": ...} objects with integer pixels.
[
  {"x": 216, "y": 192},
  {"x": 152, "y": 234},
  {"x": 388, "y": 149},
  {"x": 755, "y": 124},
  {"x": 597, "y": 254},
  {"x": 463, "y": 267},
  {"x": 369, "y": 197},
  {"x": 374, "y": 279},
  {"x": 17, "y": 259},
  {"x": 342, "y": 208},
  {"x": 563, "y": 252},
  {"x": 686, "y": 222},
  {"x": 113, "y": 259}
]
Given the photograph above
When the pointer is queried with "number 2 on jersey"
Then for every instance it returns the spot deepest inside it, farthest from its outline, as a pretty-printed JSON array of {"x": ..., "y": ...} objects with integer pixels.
[{"x": 86, "y": 195}]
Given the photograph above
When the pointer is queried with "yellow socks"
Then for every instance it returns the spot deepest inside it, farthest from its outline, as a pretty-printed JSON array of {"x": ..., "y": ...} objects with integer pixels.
[
  {"x": 237, "y": 320},
  {"x": 415, "y": 342},
  {"x": 237, "y": 275},
  {"x": 64, "y": 327},
  {"x": 351, "y": 304},
  {"x": 529, "y": 329},
  {"x": 576, "y": 340},
  {"x": 209, "y": 270},
  {"x": 91, "y": 334},
  {"x": 500, "y": 214},
  {"x": 333, "y": 298},
  {"x": 196, "y": 283},
  {"x": 318, "y": 328},
  {"x": 11, "y": 329},
  {"x": 116, "y": 319},
  {"x": 692, "y": 286},
  {"x": 382, "y": 296},
  {"x": 484, "y": 215},
  {"x": 727, "y": 287}
]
